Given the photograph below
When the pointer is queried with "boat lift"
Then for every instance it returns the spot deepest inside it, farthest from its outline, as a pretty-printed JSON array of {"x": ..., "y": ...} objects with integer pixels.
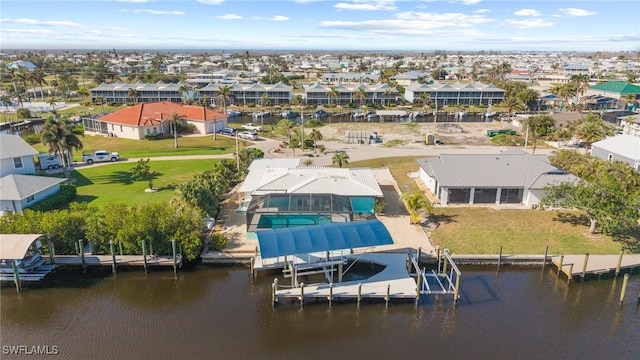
[{"x": 445, "y": 280}]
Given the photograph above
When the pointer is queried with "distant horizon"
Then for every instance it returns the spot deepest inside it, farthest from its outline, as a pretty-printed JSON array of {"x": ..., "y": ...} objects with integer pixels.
[{"x": 323, "y": 25}]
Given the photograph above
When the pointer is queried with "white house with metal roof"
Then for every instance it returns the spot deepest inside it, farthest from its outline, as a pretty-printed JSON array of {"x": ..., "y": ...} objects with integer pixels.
[
  {"x": 510, "y": 177},
  {"x": 20, "y": 189},
  {"x": 282, "y": 194},
  {"x": 455, "y": 93},
  {"x": 622, "y": 147}
]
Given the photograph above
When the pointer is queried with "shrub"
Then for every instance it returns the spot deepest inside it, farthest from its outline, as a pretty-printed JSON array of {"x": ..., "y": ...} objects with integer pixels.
[
  {"x": 58, "y": 200},
  {"x": 314, "y": 123},
  {"x": 154, "y": 136},
  {"x": 218, "y": 241},
  {"x": 32, "y": 139}
]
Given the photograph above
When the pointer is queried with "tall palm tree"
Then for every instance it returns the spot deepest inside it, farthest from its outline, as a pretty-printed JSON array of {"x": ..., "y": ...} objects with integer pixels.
[
  {"x": 564, "y": 91},
  {"x": 361, "y": 95},
  {"x": 288, "y": 126},
  {"x": 133, "y": 93},
  {"x": 224, "y": 97},
  {"x": 61, "y": 141},
  {"x": 6, "y": 101},
  {"x": 332, "y": 93},
  {"x": 84, "y": 92},
  {"x": 100, "y": 101},
  {"x": 205, "y": 102},
  {"x": 174, "y": 120},
  {"x": 52, "y": 103},
  {"x": 340, "y": 159},
  {"x": 592, "y": 129},
  {"x": 316, "y": 136},
  {"x": 264, "y": 101},
  {"x": 23, "y": 78},
  {"x": 184, "y": 89},
  {"x": 37, "y": 78},
  {"x": 581, "y": 84},
  {"x": 512, "y": 104}
]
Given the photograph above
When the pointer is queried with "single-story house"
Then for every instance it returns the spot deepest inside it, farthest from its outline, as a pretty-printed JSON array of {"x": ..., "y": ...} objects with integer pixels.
[
  {"x": 16, "y": 156},
  {"x": 152, "y": 118},
  {"x": 292, "y": 195},
  {"x": 18, "y": 192},
  {"x": 510, "y": 177},
  {"x": 20, "y": 64},
  {"x": 616, "y": 88},
  {"x": 623, "y": 147},
  {"x": 630, "y": 124}
]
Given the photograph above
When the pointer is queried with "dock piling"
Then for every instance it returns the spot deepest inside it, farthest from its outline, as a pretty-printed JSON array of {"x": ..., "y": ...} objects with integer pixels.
[
  {"x": 113, "y": 255},
  {"x": 544, "y": 261},
  {"x": 388, "y": 297},
  {"x": 560, "y": 265},
  {"x": 570, "y": 274},
  {"x": 120, "y": 247},
  {"x": 52, "y": 252},
  {"x": 144, "y": 255},
  {"x": 330, "y": 293},
  {"x": 619, "y": 262},
  {"x": 174, "y": 248},
  {"x": 624, "y": 288},
  {"x": 584, "y": 266},
  {"x": 438, "y": 257},
  {"x": 251, "y": 267},
  {"x": 274, "y": 287},
  {"x": 301, "y": 294},
  {"x": 340, "y": 272},
  {"x": 84, "y": 263},
  {"x": 456, "y": 293},
  {"x": 359, "y": 293},
  {"x": 16, "y": 275},
  {"x": 499, "y": 258}
]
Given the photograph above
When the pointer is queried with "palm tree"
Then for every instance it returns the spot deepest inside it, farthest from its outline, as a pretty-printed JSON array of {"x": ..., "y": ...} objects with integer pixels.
[
  {"x": 184, "y": 88},
  {"x": 512, "y": 104},
  {"x": 61, "y": 141},
  {"x": 565, "y": 91},
  {"x": 416, "y": 202},
  {"x": 361, "y": 95},
  {"x": 84, "y": 92},
  {"x": 174, "y": 120},
  {"x": 580, "y": 83},
  {"x": 52, "y": 103},
  {"x": 133, "y": 93},
  {"x": 205, "y": 102},
  {"x": 100, "y": 101},
  {"x": 333, "y": 94},
  {"x": 316, "y": 136},
  {"x": 592, "y": 129},
  {"x": 340, "y": 159},
  {"x": 224, "y": 97},
  {"x": 37, "y": 77},
  {"x": 629, "y": 98},
  {"x": 6, "y": 101},
  {"x": 264, "y": 101},
  {"x": 288, "y": 126},
  {"x": 23, "y": 77},
  {"x": 537, "y": 127}
]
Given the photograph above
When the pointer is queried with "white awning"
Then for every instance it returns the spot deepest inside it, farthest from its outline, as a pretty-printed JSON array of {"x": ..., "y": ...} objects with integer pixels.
[{"x": 15, "y": 246}]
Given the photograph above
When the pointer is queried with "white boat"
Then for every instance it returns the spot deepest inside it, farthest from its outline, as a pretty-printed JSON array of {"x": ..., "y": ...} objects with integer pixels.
[
  {"x": 261, "y": 114},
  {"x": 233, "y": 113},
  {"x": 489, "y": 114}
]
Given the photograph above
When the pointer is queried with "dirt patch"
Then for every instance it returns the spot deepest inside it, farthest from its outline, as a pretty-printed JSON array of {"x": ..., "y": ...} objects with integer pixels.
[{"x": 405, "y": 134}]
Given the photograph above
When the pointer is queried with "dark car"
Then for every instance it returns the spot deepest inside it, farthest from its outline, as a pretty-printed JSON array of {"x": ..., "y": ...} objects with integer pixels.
[{"x": 228, "y": 131}]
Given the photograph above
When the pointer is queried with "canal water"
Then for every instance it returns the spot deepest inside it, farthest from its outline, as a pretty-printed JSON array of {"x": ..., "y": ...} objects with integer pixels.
[{"x": 222, "y": 313}]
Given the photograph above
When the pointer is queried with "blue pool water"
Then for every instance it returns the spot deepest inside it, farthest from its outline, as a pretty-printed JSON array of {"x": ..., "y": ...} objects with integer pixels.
[{"x": 284, "y": 221}]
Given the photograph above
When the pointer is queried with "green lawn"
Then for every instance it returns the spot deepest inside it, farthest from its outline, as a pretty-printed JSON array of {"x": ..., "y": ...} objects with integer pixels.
[
  {"x": 483, "y": 231},
  {"x": 189, "y": 145},
  {"x": 100, "y": 185}
]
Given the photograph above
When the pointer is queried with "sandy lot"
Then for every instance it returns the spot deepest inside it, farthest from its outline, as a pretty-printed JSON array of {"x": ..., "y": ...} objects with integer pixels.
[{"x": 407, "y": 134}]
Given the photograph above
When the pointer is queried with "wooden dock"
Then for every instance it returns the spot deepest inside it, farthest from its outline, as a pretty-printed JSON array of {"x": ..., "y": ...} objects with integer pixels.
[
  {"x": 583, "y": 265},
  {"x": 121, "y": 260}
]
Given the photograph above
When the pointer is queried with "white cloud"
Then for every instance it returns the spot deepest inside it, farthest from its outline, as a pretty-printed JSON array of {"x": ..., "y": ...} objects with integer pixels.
[
  {"x": 30, "y": 31},
  {"x": 526, "y": 23},
  {"x": 113, "y": 28},
  {"x": 133, "y": 1},
  {"x": 576, "y": 12},
  {"x": 367, "y": 5},
  {"x": 211, "y": 2},
  {"x": 278, "y": 18},
  {"x": 54, "y": 23},
  {"x": 470, "y": 2},
  {"x": 527, "y": 12},
  {"x": 153, "y": 12},
  {"x": 229, "y": 17},
  {"x": 482, "y": 11}
]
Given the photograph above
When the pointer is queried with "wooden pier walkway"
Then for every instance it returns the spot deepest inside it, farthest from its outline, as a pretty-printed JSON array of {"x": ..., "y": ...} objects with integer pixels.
[
  {"x": 582, "y": 265},
  {"x": 107, "y": 260}
]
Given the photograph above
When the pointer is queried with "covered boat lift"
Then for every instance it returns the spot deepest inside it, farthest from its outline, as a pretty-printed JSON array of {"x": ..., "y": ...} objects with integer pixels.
[{"x": 20, "y": 258}]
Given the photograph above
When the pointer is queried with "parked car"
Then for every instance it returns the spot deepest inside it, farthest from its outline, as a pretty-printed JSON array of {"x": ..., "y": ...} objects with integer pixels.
[
  {"x": 100, "y": 156},
  {"x": 228, "y": 131},
  {"x": 249, "y": 135},
  {"x": 251, "y": 126}
]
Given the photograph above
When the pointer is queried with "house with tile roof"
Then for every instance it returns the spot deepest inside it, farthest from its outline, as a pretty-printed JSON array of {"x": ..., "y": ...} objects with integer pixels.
[
  {"x": 19, "y": 188},
  {"x": 143, "y": 119},
  {"x": 510, "y": 177}
]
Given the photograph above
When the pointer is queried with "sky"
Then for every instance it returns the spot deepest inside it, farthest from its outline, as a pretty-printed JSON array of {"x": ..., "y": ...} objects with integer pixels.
[{"x": 346, "y": 25}]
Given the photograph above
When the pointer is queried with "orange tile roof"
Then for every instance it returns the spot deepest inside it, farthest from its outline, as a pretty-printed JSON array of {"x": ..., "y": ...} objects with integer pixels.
[{"x": 153, "y": 113}]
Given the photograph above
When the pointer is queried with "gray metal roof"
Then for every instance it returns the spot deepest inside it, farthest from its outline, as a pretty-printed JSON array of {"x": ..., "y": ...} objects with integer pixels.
[
  {"x": 12, "y": 146},
  {"x": 507, "y": 169},
  {"x": 18, "y": 187},
  {"x": 623, "y": 145}
]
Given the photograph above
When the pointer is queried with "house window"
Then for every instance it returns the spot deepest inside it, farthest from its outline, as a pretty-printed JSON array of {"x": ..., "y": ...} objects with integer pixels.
[
  {"x": 610, "y": 157},
  {"x": 120, "y": 128},
  {"x": 17, "y": 163},
  {"x": 155, "y": 130},
  {"x": 30, "y": 199},
  {"x": 148, "y": 131},
  {"x": 113, "y": 127}
]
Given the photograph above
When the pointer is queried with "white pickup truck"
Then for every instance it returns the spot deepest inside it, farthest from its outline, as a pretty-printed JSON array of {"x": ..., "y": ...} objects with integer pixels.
[
  {"x": 100, "y": 156},
  {"x": 251, "y": 127}
]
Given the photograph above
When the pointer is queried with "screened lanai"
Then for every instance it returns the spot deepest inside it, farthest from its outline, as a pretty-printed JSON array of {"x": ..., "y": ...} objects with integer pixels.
[{"x": 272, "y": 211}]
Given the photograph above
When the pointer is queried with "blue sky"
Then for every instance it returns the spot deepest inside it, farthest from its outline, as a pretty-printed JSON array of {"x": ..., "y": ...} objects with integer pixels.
[{"x": 375, "y": 25}]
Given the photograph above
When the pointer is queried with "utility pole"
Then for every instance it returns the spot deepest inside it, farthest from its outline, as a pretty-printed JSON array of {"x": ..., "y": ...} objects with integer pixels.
[{"x": 237, "y": 153}]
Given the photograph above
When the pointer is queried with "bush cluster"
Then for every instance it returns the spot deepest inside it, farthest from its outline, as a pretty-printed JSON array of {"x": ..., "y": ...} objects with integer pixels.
[{"x": 58, "y": 200}]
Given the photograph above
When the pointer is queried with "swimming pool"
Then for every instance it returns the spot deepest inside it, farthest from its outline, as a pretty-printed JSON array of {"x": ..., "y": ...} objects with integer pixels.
[{"x": 291, "y": 220}]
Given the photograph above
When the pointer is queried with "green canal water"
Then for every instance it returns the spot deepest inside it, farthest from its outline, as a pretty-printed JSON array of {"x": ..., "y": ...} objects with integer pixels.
[{"x": 222, "y": 313}]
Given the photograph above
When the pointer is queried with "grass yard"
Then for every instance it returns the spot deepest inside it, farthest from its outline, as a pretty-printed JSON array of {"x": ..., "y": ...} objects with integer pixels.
[
  {"x": 188, "y": 145},
  {"x": 100, "y": 185},
  {"x": 400, "y": 168},
  {"x": 483, "y": 231}
]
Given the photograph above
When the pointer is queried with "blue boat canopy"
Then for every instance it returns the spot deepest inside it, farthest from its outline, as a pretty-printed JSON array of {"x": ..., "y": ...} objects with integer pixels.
[{"x": 326, "y": 237}]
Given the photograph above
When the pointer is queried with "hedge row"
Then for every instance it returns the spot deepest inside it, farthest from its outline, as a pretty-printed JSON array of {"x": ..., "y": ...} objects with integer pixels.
[{"x": 58, "y": 200}]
